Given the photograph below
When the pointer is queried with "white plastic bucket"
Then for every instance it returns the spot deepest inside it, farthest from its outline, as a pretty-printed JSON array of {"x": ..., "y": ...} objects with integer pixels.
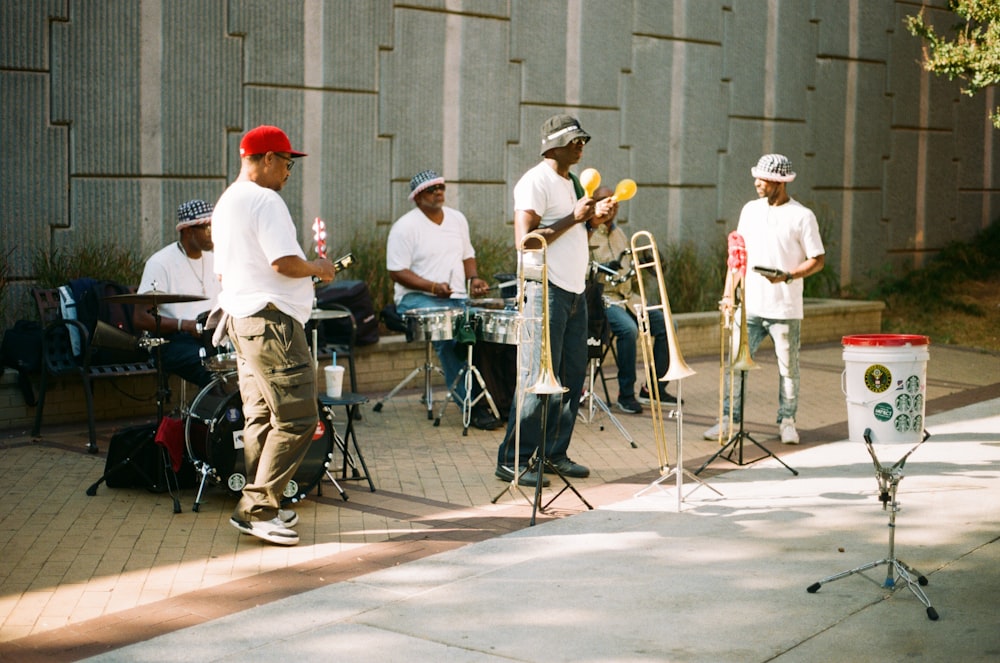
[{"x": 885, "y": 383}]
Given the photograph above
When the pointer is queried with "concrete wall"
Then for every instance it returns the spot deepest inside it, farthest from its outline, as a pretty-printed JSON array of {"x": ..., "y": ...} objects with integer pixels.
[{"x": 114, "y": 111}]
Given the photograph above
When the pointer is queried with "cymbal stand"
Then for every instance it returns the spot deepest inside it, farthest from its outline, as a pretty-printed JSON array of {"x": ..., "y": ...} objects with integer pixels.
[
  {"x": 678, "y": 471},
  {"x": 162, "y": 396},
  {"x": 594, "y": 402},
  {"x": 888, "y": 482},
  {"x": 735, "y": 443}
]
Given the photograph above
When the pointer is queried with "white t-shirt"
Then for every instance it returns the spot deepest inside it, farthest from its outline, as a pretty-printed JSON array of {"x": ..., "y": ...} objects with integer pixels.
[
  {"x": 431, "y": 251},
  {"x": 552, "y": 197},
  {"x": 781, "y": 237},
  {"x": 170, "y": 270},
  {"x": 251, "y": 228}
]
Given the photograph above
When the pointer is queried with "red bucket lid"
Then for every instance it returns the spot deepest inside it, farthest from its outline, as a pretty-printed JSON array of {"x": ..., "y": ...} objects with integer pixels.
[{"x": 885, "y": 340}]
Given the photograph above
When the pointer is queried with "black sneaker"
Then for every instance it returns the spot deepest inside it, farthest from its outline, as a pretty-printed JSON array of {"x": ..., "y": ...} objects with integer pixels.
[
  {"x": 568, "y": 468},
  {"x": 529, "y": 478},
  {"x": 629, "y": 404},
  {"x": 484, "y": 420},
  {"x": 665, "y": 398}
]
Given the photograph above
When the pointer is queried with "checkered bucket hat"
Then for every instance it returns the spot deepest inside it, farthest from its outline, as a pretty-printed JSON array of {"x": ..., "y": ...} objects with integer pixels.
[
  {"x": 423, "y": 180},
  {"x": 773, "y": 167}
]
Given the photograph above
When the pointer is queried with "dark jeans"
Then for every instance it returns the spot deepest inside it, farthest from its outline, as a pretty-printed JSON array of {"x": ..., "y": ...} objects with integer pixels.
[
  {"x": 568, "y": 347},
  {"x": 181, "y": 356}
]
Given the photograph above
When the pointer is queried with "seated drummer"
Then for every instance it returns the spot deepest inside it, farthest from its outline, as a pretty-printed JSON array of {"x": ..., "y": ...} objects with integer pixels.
[
  {"x": 184, "y": 267},
  {"x": 430, "y": 259},
  {"x": 609, "y": 249}
]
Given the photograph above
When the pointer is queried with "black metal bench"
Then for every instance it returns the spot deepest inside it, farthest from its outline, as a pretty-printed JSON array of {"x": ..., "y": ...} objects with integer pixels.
[{"x": 58, "y": 359}]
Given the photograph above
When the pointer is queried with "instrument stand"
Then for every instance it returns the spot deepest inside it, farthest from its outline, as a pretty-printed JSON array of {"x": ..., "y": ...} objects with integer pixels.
[
  {"x": 594, "y": 402},
  {"x": 541, "y": 462},
  {"x": 678, "y": 471},
  {"x": 427, "y": 369},
  {"x": 735, "y": 443},
  {"x": 468, "y": 373},
  {"x": 888, "y": 482},
  {"x": 162, "y": 396}
]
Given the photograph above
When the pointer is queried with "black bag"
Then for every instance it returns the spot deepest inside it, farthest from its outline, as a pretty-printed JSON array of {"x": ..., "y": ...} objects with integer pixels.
[
  {"x": 355, "y": 296},
  {"x": 21, "y": 350},
  {"x": 92, "y": 306},
  {"x": 147, "y": 468}
]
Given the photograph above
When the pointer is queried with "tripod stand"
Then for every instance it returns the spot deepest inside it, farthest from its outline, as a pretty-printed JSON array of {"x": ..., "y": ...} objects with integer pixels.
[
  {"x": 735, "y": 443},
  {"x": 469, "y": 373},
  {"x": 152, "y": 298},
  {"x": 594, "y": 402},
  {"x": 888, "y": 482},
  {"x": 427, "y": 369}
]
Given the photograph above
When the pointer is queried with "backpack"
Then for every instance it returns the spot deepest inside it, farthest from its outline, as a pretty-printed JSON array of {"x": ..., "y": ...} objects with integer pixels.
[
  {"x": 91, "y": 307},
  {"x": 22, "y": 350},
  {"x": 355, "y": 296}
]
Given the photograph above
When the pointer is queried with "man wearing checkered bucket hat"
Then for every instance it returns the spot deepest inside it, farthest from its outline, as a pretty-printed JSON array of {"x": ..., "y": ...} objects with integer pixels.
[
  {"x": 783, "y": 247},
  {"x": 184, "y": 267}
]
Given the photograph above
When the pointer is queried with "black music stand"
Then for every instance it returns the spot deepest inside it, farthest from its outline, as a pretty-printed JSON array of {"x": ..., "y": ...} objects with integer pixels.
[
  {"x": 735, "y": 443},
  {"x": 888, "y": 481},
  {"x": 162, "y": 396}
]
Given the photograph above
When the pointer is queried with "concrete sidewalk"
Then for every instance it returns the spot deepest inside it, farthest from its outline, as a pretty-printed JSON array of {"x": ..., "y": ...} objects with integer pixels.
[{"x": 723, "y": 580}]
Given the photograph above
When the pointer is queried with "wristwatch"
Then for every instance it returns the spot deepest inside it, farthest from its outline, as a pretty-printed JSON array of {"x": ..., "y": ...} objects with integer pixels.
[{"x": 788, "y": 277}]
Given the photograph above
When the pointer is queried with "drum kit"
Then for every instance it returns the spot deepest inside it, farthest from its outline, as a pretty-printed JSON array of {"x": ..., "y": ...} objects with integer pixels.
[{"x": 213, "y": 426}]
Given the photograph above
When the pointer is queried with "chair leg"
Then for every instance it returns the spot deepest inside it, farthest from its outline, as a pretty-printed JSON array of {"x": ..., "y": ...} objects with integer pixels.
[
  {"x": 88, "y": 393},
  {"x": 37, "y": 429}
]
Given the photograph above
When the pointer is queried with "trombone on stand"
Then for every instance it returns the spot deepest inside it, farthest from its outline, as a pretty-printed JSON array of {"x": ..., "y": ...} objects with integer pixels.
[
  {"x": 546, "y": 385},
  {"x": 733, "y": 296},
  {"x": 647, "y": 257}
]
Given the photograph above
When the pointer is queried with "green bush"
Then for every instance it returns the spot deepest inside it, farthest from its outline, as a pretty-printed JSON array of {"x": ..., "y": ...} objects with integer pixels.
[{"x": 107, "y": 262}]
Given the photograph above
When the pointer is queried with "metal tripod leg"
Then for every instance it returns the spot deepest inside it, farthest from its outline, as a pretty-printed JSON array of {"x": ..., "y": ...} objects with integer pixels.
[
  {"x": 427, "y": 369},
  {"x": 594, "y": 402},
  {"x": 468, "y": 373}
]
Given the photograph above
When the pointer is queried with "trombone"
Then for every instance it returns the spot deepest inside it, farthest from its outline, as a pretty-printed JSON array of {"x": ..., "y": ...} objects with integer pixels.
[
  {"x": 645, "y": 257},
  {"x": 733, "y": 296}
]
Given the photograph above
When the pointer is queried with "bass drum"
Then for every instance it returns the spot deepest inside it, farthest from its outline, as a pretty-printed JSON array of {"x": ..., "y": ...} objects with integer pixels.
[{"x": 214, "y": 436}]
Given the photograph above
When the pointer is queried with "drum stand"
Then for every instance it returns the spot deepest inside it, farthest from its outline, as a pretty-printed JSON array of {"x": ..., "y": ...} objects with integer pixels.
[
  {"x": 428, "y": 369},
  {"x": 888, "y": 481},
  {"x": 595, "y": 402},
  {"x": 468, "y": 373},
  {"x": 735, "y": 443}
]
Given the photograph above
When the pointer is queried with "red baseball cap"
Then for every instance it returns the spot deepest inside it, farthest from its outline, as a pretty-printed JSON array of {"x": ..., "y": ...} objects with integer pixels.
[{"x": 266, "y": 138}]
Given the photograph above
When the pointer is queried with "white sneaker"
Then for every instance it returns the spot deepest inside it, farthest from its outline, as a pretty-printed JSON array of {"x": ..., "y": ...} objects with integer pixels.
[
  {"x": 788, "y": 433},
  {"x": 719, "y": 429},
  {"x": 272, "y": 531}
]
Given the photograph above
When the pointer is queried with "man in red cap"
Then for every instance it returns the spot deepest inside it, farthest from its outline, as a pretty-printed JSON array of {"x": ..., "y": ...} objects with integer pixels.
[{"x": 267, "y": 292}]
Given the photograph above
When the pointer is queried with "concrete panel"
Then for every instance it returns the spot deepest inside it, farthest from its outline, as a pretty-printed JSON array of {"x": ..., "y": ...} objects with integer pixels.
[
  {"x": 677, "y": 216},
  {"x": 920, "y": 194},
  {"x": 347, "y": 55},
  {"x": 694, "y": 20},
  {"x": 571, "y": 52},
  {"x": 494, "y": 8},
  {"x": 976, "y": 211},
  {"x": 847, "y": 124},
  {"x": 172, "y": 193},
  {"x": 26, "y": 33},
  {"x": 103, "y": 212},
  {"x": 675, "y": 106},
  {"x": 199, "y": 78},
  {"x": 95, "y": 86},
  {"x": 273, "y": 44},
  {"x": 855, "y": 29},
  {"x": 769, "y": 56},
  {"x": 920, "y": 99},
  {"x": 977, "y": 141},
  {"x": 33, "y": 170}
]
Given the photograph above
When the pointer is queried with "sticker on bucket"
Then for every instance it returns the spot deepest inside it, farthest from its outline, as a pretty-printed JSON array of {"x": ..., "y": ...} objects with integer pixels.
[{"x": 884, "y": 381}]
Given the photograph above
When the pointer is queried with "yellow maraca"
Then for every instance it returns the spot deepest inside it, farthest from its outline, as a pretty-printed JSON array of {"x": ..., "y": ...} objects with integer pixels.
[
  {"x": 590, "y": 179},
  {"x": 624, "y": 190}
]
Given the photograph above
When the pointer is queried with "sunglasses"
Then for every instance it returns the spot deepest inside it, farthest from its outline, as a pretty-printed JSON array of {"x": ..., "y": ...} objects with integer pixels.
[{"x": 289, "y": 162}]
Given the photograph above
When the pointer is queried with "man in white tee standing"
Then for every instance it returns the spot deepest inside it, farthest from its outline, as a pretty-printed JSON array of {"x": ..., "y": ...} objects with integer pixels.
[{"x": 267, "y": 292}]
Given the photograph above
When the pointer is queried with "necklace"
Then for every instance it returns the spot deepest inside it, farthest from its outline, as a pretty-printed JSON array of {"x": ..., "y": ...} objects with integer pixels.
[{"x": 201, "y": 279}]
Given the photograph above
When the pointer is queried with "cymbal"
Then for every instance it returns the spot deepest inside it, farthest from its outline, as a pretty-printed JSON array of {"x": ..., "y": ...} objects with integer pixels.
[{"x": 154, "y": 297}]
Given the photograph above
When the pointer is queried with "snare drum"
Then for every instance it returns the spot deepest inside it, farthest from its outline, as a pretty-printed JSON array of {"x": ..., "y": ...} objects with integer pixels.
[
  {"x": 214, "y": 435},
  {"x": 498, "y": 326},
  {"x": 430, "y": 324}
]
